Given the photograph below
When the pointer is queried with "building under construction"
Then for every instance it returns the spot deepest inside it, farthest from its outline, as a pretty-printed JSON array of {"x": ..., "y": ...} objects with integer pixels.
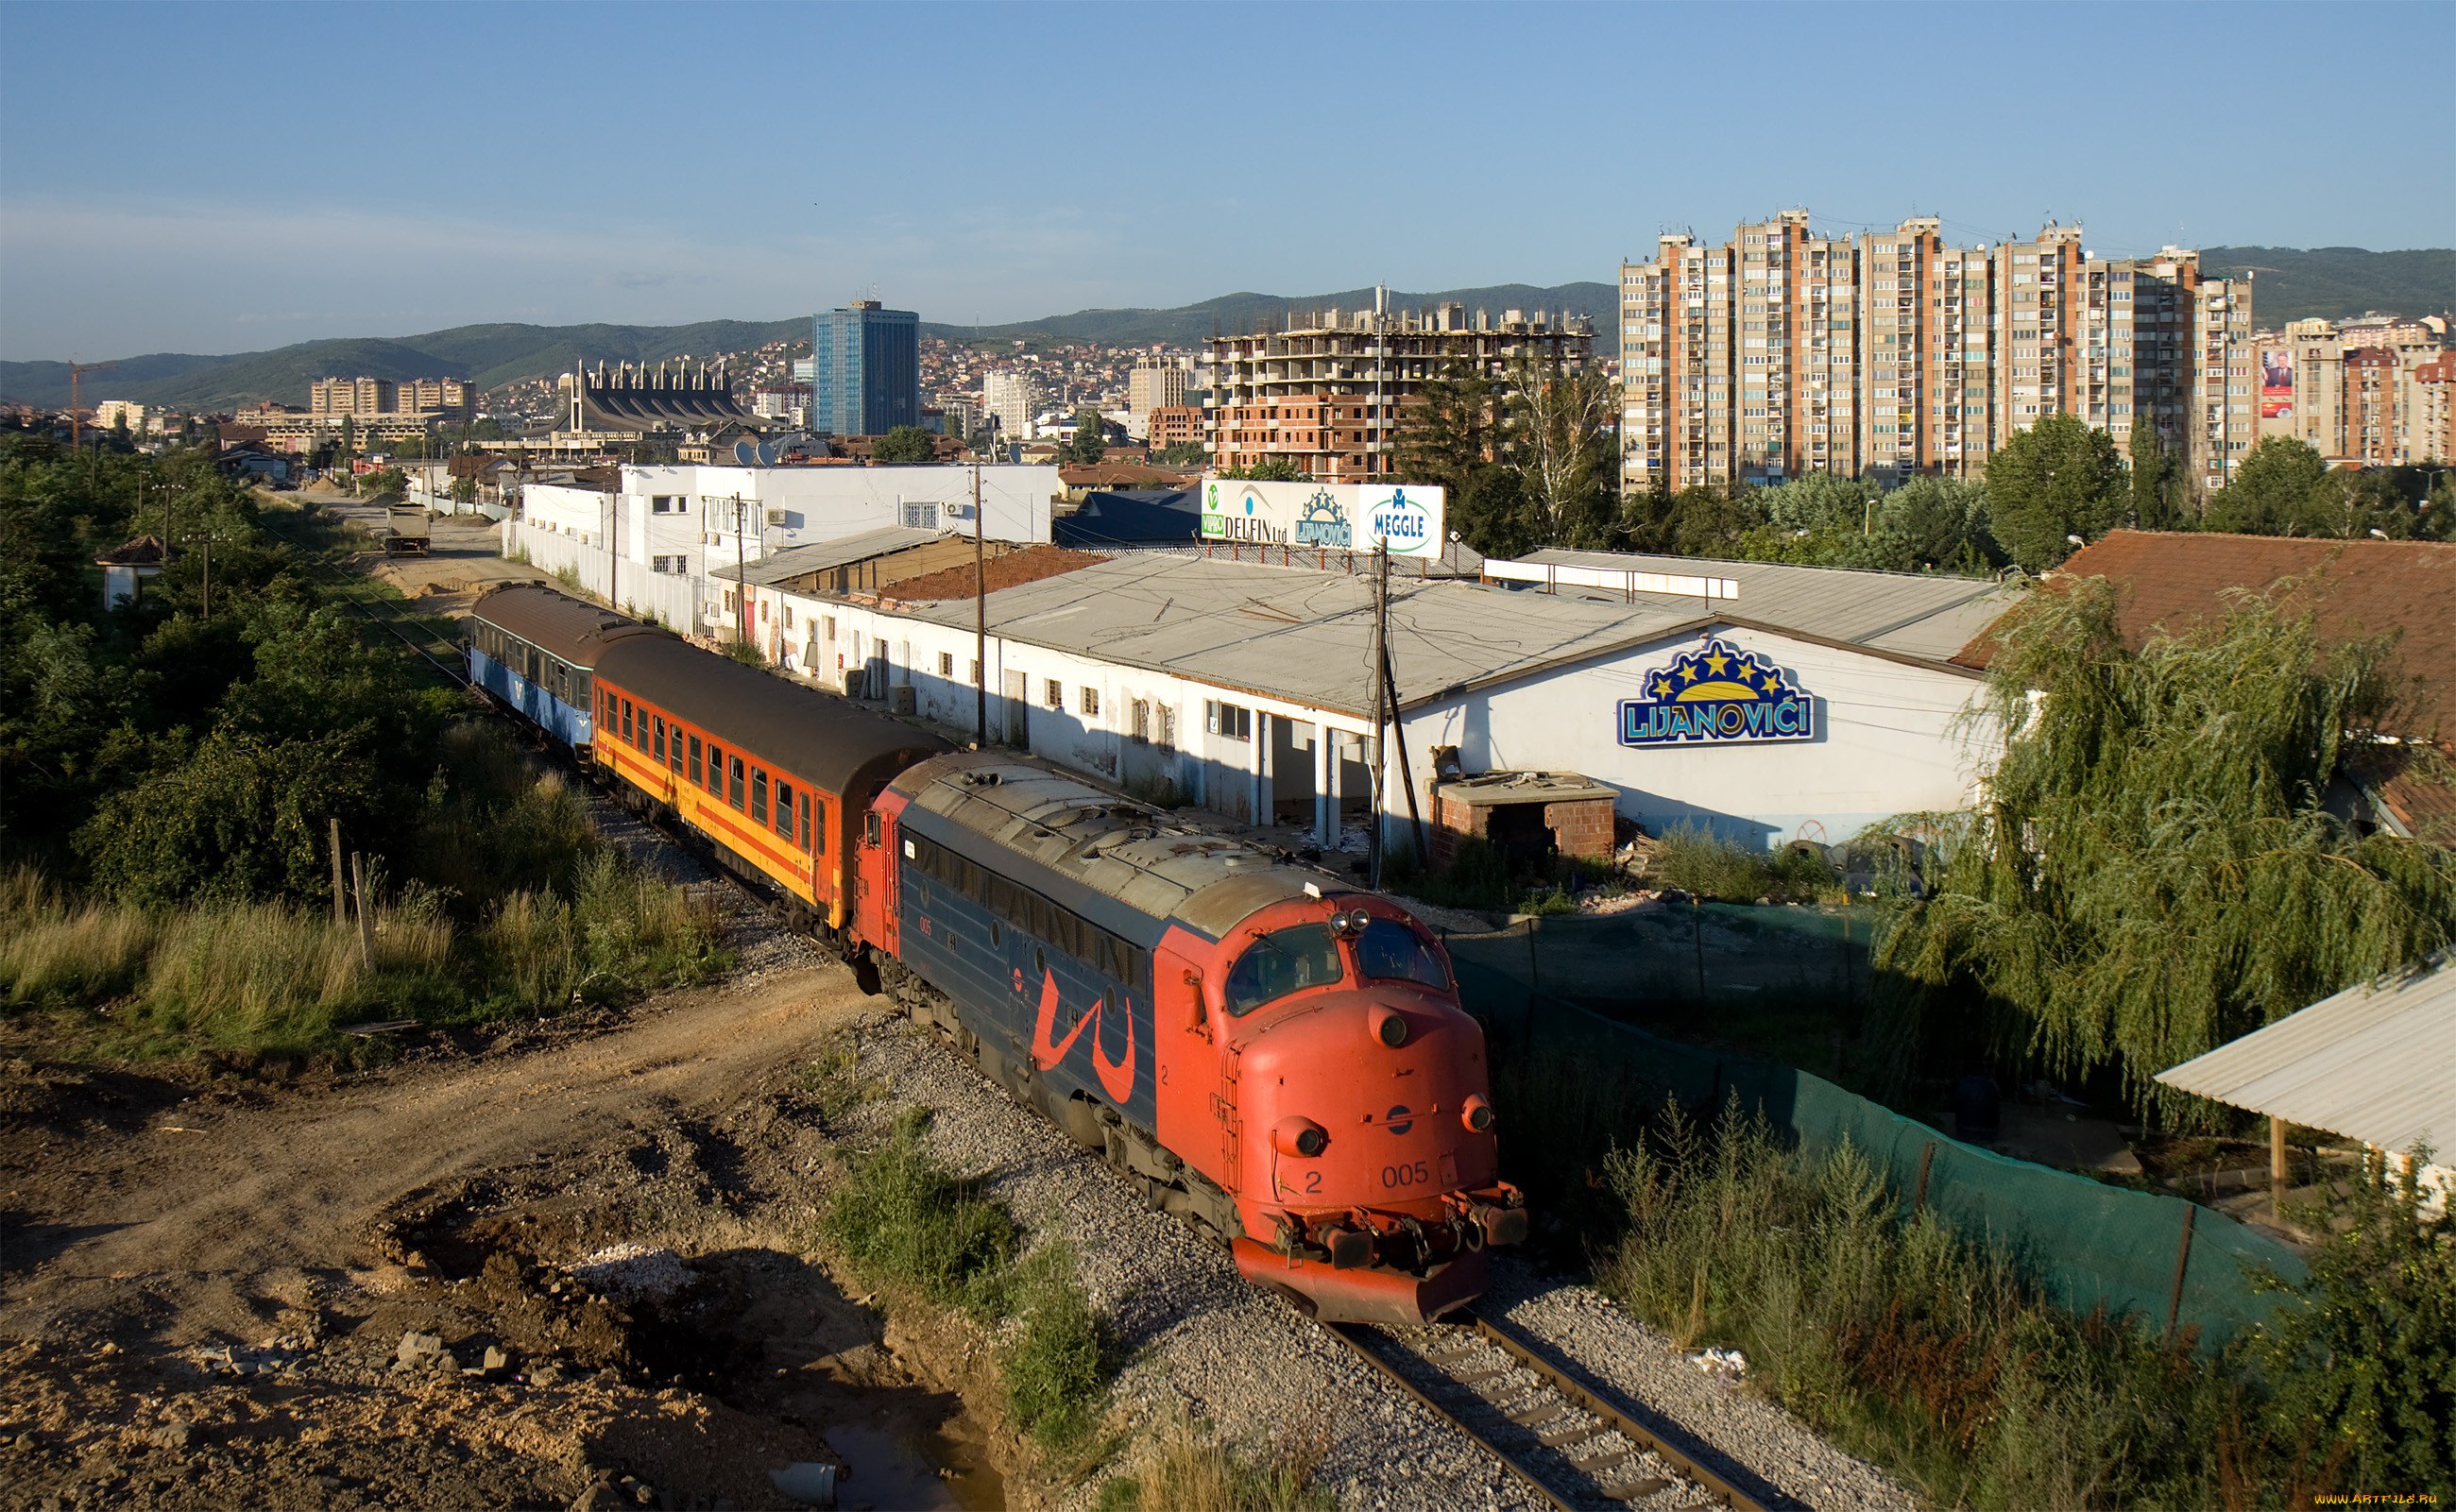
[{"x": 1325, "y": 393}]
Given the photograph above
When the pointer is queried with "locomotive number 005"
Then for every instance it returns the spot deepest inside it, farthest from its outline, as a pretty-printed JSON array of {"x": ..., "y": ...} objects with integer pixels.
[{"x": 1405, "y": 1175}]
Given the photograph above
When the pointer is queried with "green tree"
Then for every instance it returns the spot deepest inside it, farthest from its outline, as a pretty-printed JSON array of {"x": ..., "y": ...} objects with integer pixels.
[
  {"x": 2156, "y": 870},
  {"x": 904, "y": 443},
  {"x": 2282, "y": 488},
  {"x": 1269, "y": 470},
  {"x": 2058, "y": 480},
  {"x": 1563, "y": 435},
  {"x": 1182, "y": 454},
  {"x": 1089, "y": 443},
  {"x": 1448, "y": 429},
  {"x": 2153, "y": 480}
]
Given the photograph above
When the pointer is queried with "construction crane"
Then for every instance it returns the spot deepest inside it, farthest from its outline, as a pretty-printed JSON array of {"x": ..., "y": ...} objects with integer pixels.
[{"x": 76, "y": 411}]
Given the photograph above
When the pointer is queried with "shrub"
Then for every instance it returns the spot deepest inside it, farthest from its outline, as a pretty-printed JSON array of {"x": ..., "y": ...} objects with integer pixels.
[
  {"x": 1695, "y": 860},
  {"x": 1054, "y": 1374},
  {"x": 1907, "y": 1344},
  {"x": 906, "y": 1220}
]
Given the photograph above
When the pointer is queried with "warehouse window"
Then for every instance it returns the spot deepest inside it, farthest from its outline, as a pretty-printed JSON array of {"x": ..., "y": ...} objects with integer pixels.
[
  {"x": 694, "y": 760},
  {"x": 1167, "y": 728},
  {"x": 977, "y": 673},
  {"x": 1138, "y": 721},
  {"x": 734, "y": 782},
  {"x": 1053, "y": 693},
  {"x": 758, "y": 797},
  {"x": 1089, "y": 703},
  {"x": 946, "y": 663},
  {"x": 1228, "y": 721},
  {"x": 783, "y": 808}
]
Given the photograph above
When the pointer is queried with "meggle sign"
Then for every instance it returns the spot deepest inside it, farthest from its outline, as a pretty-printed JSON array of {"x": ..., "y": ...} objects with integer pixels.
[
  {"x": 1334, "y": 517},
  {"x": 1717, "y": 694}
]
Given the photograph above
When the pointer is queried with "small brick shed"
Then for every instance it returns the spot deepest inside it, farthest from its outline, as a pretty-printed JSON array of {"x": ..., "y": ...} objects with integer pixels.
[{"x": 1522, "y": 814}]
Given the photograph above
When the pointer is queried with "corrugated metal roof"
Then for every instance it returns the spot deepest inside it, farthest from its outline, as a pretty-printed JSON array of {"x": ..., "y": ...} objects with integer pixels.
[
  {"x": 779, "y": 567},
  {"x": 2375, "y": 1063},
  {"x": 1913, "y": 614},
  {"x": 1305, "y": 636}
]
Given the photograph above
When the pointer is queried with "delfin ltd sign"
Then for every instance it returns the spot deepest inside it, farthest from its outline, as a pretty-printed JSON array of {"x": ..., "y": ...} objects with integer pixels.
[{"x": 1717, "y": 694}]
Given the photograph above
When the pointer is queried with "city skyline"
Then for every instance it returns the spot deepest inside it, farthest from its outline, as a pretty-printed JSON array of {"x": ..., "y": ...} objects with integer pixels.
[{"x": 578, "y": 189}]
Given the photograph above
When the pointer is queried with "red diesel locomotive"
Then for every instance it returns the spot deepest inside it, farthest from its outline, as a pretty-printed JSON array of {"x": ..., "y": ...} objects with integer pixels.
[{"x": 1256, "y": 1046}]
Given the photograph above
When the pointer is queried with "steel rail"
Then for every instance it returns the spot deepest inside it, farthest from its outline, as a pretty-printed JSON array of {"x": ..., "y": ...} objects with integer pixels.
[
  {"x": 1561, "y": 1381},
  {"x": 349, "y": 587},
  {"x": 1353, "y": 1335}
]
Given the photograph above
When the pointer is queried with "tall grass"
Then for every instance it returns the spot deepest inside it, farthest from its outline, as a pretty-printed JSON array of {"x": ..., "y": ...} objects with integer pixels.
[
  {"x": 620, "y": 931},
  {"x": 263, "y": 976},
  {"x": 1919, "y": 1350},
  {"x": 1695, "y": 860},
  {"x": 1187, "y": 1469}
]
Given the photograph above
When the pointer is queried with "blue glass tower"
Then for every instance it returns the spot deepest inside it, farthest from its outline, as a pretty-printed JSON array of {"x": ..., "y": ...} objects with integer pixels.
[{"x": 865, "y": 370}]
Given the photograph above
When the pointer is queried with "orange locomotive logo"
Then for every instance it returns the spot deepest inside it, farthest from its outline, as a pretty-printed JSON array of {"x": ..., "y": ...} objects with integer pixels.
[{"x": 1117, "y": 1078}]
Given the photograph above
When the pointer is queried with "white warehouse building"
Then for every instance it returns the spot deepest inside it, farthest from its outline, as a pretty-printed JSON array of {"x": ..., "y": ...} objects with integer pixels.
[
  {"x": 1245, "y": 688},
  {"x": 670, "y": 524}
]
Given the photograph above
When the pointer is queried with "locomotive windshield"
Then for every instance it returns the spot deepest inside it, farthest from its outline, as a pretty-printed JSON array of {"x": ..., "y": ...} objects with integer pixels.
[
  {"x": 1394, "y": 952},
  {"x": 1282, "y": 962}
]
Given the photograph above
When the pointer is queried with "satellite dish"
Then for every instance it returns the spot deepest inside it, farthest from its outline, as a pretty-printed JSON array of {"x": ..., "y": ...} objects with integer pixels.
[
  {"x": 767, "y": 453},
  {"x": 743, "y": 453}
]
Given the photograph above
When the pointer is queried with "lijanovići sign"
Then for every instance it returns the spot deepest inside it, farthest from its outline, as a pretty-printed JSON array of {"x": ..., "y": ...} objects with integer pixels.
[
  {"x": 1339, "y": 517},
  {"x": 1717, "y": 693}
]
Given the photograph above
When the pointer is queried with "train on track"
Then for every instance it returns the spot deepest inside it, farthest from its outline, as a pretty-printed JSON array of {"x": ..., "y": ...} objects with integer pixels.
[{"x": 1257, "y": 1047}]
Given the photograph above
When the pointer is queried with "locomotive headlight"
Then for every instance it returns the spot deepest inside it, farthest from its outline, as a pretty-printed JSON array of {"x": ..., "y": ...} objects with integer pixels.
[
  {"x": 1299, "y": 1136},
  {"x": 1477, "y": 1116},
  {"x": 1358, "y": 919},
  {"x": 1389, "y": 1025}
]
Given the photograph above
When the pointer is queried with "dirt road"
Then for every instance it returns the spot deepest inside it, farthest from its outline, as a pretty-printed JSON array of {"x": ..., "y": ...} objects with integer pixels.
[{"x": 455, "y": 1281}]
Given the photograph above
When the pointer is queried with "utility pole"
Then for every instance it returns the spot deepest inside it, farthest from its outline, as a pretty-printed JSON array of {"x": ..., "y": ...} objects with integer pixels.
[
  {"x": 980, "y": 618},
  {"x": 1381, "y": 613}
]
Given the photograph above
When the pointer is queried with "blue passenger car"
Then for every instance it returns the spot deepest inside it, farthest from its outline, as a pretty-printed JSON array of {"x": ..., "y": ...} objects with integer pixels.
[{"x": 535, "y": 650}]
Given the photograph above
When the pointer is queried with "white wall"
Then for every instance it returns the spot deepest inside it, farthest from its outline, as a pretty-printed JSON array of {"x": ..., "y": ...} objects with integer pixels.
[
  {"x": 1886, "y": 743},
  {"x": 670, "y": 599},
  {"x": 1216, "y": 772},
  {"x": 828, "y": 504}
]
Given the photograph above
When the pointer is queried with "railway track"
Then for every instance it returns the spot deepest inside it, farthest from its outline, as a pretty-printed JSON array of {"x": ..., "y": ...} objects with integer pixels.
[
  {"x": 387, "y": 614},
  {"x": 1572, "y": 1447}
]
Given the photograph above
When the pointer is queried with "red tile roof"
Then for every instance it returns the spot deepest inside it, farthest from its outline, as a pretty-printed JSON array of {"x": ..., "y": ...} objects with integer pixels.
[{"x": 2368, "y": 587}]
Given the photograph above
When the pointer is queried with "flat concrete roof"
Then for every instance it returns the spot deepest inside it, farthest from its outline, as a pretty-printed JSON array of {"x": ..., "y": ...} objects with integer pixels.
[
  {"x": 1914, "y": 614},
  {"x": 1305, "y": 636},
  {"x": 1490, "y": 790},
  {"x": 779, "y": 567}
]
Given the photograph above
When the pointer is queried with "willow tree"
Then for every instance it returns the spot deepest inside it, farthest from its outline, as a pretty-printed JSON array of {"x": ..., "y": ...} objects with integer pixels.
[{"x": 2153, "y": 869}]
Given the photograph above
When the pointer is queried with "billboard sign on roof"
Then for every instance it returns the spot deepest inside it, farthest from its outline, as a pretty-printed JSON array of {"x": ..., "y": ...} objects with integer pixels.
[{"x": 1336, "y": 517}]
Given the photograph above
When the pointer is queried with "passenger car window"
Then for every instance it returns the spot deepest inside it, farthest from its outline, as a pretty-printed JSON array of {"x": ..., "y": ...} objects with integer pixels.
[
  {"x": 1394, "y": 952},
  {"x": 1282, "y": 962}
]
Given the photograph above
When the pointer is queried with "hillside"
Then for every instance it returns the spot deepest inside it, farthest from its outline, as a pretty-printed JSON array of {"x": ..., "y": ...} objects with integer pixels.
[
  {"x": 2336, "y": 282},
  {"x": 2293, "y": 283},
  {"x": 489, "y": 353},
  {"x": 1238, "y": 313}
]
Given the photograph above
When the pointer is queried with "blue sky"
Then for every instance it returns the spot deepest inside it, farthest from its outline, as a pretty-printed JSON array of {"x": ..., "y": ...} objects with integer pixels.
[{"x": 214, "y": 178}]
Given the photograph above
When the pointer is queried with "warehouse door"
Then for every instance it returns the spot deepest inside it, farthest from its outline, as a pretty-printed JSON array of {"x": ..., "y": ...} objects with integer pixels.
[{"x": 1018, "y": 711}]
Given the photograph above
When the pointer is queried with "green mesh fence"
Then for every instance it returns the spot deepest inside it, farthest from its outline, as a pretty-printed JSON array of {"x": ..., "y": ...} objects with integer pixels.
[{"x": 2168, "y": 1262}]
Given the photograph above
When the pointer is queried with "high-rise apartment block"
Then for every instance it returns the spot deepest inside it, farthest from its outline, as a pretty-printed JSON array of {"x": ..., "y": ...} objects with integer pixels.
[
  {"x": 1156, "y": 383},
  {"x": 1782, "y": 353},
  {"x": 2372, "y": 392},
  {"x": 865, "y": 370},
  {"x": 1326, "y": 394},
  {"x": 446, "y": 398},
  {"x": 1011, "y": 399}
]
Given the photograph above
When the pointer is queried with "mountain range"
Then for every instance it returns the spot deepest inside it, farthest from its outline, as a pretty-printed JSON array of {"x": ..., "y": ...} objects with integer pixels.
[{"x": 2292, "y": 283}]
